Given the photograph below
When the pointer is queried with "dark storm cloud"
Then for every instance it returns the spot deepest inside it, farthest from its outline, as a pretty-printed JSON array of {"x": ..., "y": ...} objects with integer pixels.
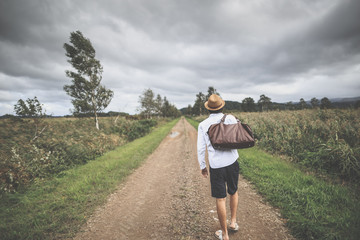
[
  {"x": 31, "y": 41},
  {"x": 228, "y": 43},
  {"x": 331, "y": 41},
  {"x": 178, "y": 48}
]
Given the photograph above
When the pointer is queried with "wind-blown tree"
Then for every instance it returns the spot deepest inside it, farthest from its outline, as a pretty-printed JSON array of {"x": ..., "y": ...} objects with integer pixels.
[
  {"x": 30, "y": 108},
  {"x": 248, "y": 104},
  {"x": 34, "y": 109},
  {"x": 264, "y": 102},
  {"x": 89, "y": 96},
  {"x": 147, "y": 103}
]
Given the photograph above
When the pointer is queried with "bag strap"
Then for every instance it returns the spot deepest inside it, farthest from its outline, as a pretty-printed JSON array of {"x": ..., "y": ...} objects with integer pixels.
[{"x": 223, "y": 118}]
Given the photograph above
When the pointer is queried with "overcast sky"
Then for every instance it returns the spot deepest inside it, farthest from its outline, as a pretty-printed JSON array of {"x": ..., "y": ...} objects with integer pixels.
[{"x": 284, "y": 49}]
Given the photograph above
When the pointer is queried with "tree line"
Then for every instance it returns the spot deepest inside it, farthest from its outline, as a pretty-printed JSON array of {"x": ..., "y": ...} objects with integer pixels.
[
  {"x": 264, "y": 103},
  {"x": 151, "y": 106}
]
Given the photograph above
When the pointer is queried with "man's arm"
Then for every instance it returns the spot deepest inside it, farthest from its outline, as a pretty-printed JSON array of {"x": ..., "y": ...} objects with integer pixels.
[{"x": 201, "y": 148}]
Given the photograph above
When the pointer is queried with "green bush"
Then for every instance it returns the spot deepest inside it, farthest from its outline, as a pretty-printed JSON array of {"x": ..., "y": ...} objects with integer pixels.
[{"x": 140, "y": 128}]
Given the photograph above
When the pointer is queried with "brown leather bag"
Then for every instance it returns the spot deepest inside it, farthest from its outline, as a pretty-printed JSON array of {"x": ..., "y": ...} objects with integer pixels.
[{"x": 231, "y": 136}]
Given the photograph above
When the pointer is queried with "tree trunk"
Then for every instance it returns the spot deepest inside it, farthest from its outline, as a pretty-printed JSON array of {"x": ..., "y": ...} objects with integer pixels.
[
  {"x": 117, "y": 117},
  {"x": 96, "y": 116},
  {"x": 96, "y": 121}
]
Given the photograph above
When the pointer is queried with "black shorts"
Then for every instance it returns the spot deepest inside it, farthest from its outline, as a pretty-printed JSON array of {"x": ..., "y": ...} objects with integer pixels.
[{"x": 220, "y": 177}]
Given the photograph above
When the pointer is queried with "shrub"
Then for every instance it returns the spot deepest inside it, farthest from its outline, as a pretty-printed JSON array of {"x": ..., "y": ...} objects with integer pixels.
[{"x": 140, "y": 128}]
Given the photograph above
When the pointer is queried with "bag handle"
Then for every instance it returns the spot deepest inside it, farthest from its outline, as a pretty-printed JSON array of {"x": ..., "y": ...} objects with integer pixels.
[{"x": 223, "y": 118}]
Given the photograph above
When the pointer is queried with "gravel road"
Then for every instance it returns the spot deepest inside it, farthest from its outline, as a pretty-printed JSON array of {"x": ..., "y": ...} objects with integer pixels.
[{"x": 167, "y": 198}]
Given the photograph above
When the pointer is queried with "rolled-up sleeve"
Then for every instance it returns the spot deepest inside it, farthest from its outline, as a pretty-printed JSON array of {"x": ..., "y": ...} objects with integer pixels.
[{"x": 201, "y": 148}]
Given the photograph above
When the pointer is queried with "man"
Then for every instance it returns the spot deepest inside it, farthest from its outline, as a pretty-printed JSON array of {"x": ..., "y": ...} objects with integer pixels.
[{"x": 224, "y": 168}]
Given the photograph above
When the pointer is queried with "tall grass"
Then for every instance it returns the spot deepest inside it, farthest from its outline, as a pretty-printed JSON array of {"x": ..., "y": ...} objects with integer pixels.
[
  {"x": 314, "y": 208},
  {"x": 327, "y": 141},
  {"x": 32, "y": 149},
  {"x": 57, "y": 207}
]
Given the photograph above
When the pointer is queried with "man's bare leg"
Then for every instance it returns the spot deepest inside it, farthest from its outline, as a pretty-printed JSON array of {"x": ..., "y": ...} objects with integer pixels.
[
  {"x": 221, "y": 211},
  {"x": 234, "y": 199}
]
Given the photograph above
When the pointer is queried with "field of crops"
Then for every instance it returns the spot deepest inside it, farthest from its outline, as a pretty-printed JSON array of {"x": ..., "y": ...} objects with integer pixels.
[
  {"x": 322, "y": 140},
  {"x": 35, "y": 149},
  {"x": 326, "y": 141}
]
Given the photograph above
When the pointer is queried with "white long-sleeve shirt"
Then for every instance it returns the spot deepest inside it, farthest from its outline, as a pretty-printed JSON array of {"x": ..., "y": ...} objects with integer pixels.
[{"x": 217, "y": 158}]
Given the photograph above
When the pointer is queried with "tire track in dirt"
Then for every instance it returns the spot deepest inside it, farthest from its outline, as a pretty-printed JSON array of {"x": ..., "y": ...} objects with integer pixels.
[{"x": 167, "y": 198}]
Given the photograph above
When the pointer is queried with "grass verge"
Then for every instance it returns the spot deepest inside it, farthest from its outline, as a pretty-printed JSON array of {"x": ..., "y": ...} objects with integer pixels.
[
  {"x": 192, "y": 122},
  {"x": 56, "y": 208},
  {"x": 312, "y": 207}
]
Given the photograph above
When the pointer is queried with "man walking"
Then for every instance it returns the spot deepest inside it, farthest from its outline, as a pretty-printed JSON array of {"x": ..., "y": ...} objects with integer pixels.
[{"x": 224, "y": 168}]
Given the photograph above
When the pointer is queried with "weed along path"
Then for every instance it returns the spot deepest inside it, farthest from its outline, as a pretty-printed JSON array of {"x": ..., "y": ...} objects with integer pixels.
[{"x": 167, "y": 198}]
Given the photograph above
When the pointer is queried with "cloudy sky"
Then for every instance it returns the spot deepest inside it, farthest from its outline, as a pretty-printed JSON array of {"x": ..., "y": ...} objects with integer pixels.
[{"x": 284, "y": 49}]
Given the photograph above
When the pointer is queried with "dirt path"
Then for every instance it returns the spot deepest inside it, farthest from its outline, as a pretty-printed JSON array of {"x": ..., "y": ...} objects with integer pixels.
[{"x": 167, "y": 198}]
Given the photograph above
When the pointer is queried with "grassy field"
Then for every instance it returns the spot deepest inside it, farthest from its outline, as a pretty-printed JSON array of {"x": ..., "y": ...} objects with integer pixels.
[
  {"x": 39, "y": 148},
  {"x": 57, "y": 207},
  {"x": 314, "y": 208}
]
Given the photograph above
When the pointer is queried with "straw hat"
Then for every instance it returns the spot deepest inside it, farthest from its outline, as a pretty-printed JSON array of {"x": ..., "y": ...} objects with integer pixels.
[{"x": 214, "y": 103}]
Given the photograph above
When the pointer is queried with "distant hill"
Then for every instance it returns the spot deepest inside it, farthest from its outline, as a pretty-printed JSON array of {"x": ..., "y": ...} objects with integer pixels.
[
  {"x": 353, "y": 99},
  {"x": 232, "y": 105},
  {"x": 344, "y": 102}
]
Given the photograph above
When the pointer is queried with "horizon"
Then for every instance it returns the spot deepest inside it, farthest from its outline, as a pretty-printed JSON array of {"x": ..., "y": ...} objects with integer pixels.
[{"x": 338, "y": 100}]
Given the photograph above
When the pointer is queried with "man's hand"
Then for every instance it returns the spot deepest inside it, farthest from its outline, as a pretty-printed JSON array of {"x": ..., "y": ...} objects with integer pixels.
[{"x": 204, "y": 172}]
